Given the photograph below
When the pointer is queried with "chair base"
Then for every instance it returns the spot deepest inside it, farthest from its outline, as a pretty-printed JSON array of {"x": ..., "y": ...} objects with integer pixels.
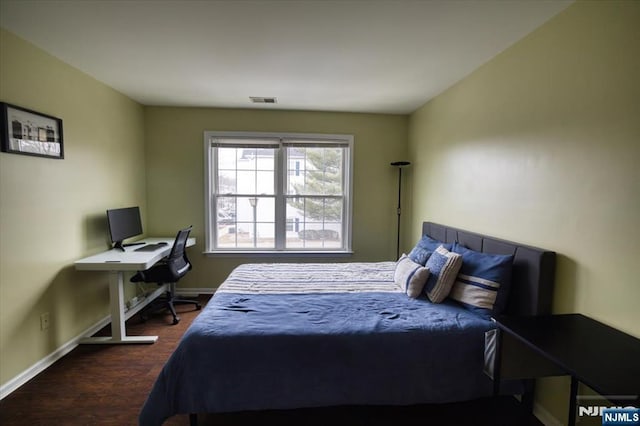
[{"x": 168, "y": 302}]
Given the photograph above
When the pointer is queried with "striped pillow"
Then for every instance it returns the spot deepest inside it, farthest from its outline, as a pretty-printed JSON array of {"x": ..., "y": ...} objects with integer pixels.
[
  {"x": 443, "y": 266},
  {"x": 410, "y": 276},
  {"x": 483, "y": 282}
]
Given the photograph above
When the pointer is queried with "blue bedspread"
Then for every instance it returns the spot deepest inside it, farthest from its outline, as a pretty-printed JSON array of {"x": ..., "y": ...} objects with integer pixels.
[{"x": 271, "y": 347}]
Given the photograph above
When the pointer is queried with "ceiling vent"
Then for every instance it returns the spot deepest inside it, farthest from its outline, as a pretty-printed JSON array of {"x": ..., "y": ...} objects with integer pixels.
[{"x": 262, "y": 100}]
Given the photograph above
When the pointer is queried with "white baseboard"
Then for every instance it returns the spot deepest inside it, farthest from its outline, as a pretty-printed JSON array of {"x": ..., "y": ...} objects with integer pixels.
[
  {"x": 545, "y": 417},
  {"x": 46, "y": 362},
  {"x": 7, "y": 388},
  {"x": 192, "y": 291}
]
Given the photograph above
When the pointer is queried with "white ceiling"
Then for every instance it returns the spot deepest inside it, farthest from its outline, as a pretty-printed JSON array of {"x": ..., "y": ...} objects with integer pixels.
[{"x": 386, "y": 56}]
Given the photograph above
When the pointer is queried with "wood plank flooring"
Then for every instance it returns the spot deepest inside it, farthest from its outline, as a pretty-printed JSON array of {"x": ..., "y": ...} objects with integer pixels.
[{"x": 107, "y": 385}]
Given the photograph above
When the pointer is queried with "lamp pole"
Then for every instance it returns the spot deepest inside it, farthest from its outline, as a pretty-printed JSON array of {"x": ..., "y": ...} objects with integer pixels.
[{"x": 399, "y": 165}]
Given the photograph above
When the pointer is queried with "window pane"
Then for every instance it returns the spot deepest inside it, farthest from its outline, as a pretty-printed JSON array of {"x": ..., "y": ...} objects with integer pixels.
[
  {"x": 255, "y": 235},
  {"x": 246, "y": 222},
  {"x": 226, "y": 209},
  {"x": 265, "y": 209},
  {"x": 244, "y": 238},
  {"x": 266, "y": 235},
  {"x": 246, "y": 182},
  {"x": 226, "y": 222},
  {"x": 314, "y": 171},
  {"x": 245, "y": 209},
  {"x": 314, "y": 222},
  {"x": 246, "y": 159},
  {"x": 246, "y": 171},
  {"x": 313, "y": 210},
  {"x": 333, "y": 210},
  {"x": 265, "y": 183},
  {"x": 227, "y": 158},
  {"x": 227, "y": 182}
]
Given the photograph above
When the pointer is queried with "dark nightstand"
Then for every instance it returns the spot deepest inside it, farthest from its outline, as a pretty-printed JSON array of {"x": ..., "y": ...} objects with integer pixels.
[{"x": 603, "y": 358}]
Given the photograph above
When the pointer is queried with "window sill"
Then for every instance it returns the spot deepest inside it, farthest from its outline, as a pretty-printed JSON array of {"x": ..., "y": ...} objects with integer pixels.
[{"x": 277, "y": 253}]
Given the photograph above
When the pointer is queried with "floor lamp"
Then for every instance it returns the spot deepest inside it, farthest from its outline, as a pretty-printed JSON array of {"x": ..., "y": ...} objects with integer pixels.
[{"x": 399, "y": 165}]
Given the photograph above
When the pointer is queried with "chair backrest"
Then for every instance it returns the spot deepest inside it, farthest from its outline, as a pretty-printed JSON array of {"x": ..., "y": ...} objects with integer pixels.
[
  {"x": 180, "y": 243},
  {"x": 177, "y": 259}
]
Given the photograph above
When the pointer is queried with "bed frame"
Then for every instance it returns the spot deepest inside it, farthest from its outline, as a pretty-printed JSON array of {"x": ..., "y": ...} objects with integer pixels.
[
  {"x": 532, "y": 282},
  {"x": 533, "y": 273},
  {"x": 533, "y": 276}
]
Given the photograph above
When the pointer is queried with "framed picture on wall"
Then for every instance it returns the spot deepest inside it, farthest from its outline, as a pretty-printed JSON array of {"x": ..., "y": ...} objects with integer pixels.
[{"x": 23, "y": 131}]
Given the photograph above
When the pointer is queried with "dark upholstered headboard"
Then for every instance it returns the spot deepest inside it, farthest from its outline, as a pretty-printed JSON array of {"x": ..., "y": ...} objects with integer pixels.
[{"x": 533, "y": 273}]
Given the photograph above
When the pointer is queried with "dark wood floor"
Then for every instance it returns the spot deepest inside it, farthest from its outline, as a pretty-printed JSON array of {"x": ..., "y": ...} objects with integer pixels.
[{"x": 107, "y": 385}]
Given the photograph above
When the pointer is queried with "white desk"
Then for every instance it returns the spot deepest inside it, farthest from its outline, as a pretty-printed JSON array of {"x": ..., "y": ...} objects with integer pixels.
[{"x": 117, "y": 262}]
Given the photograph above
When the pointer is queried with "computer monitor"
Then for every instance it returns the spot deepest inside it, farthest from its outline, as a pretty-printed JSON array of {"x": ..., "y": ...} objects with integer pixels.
[{"x": 124, "y": 223}]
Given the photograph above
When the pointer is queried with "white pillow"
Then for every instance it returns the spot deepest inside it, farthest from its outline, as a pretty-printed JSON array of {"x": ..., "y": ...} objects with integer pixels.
[{"x": 410, "y": 276}]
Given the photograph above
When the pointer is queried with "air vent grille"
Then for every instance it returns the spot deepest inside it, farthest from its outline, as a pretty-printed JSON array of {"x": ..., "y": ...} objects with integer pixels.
[{"x": 263, "y": 100}]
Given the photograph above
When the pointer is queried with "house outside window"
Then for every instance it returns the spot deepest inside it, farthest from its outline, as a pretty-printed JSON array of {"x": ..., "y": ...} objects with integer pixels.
[{"x": 287, "y": 193}]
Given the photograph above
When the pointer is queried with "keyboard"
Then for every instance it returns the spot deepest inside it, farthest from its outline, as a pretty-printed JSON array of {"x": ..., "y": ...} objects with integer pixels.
[{"x": 150, "y": 247}]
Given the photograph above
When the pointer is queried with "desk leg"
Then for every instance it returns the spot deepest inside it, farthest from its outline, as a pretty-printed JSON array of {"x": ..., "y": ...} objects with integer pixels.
[
  {"x": 116, "y": 302},
  {"x": 572, "y": 401}
]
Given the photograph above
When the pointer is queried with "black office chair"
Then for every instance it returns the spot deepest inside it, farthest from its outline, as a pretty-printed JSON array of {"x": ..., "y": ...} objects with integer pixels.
[{"x": 169, "y": 270}]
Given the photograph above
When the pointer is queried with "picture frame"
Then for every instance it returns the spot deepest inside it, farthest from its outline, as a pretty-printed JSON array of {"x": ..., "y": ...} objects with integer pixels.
[{"x": 27, "y": 132}]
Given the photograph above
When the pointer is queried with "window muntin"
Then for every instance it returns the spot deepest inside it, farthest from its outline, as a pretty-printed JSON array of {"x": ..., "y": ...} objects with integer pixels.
[{"x": 278, "y": 194}]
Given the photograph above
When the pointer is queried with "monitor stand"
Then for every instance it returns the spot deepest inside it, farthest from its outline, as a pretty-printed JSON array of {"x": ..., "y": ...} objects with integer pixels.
[{"x": 121, "y": 246}]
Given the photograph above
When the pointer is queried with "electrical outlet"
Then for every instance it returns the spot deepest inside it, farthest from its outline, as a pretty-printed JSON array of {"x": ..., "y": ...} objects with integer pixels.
[
  {"x": 44, "y": 321},
  {"x": 134, "y": 301}
]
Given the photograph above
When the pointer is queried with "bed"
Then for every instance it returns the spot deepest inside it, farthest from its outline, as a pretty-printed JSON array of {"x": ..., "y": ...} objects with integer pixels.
[{"x": 287, "y": 335}]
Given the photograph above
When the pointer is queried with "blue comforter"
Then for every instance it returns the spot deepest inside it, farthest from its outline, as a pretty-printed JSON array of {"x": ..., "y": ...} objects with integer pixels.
[{"x": 257, "y": 346}]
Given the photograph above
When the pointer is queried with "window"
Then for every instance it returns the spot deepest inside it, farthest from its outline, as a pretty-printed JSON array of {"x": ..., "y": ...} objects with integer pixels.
[{"x": 278, "y": 192}]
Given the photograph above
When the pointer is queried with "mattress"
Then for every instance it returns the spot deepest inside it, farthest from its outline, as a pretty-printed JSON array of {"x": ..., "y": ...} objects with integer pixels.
[{"x": 283, "y": 336}]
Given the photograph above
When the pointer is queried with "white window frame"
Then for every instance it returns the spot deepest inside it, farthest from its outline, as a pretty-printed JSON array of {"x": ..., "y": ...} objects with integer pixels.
[{"x": 213, "y": 139}]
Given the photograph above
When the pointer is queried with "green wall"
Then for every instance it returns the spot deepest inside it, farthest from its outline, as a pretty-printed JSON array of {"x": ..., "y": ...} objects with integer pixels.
[
  {"x": 541, "y": 145},
  {"x": 119, "y": 153},
  {"x": 52, "y": 211},
  {"x": 175, "y": 175}
]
